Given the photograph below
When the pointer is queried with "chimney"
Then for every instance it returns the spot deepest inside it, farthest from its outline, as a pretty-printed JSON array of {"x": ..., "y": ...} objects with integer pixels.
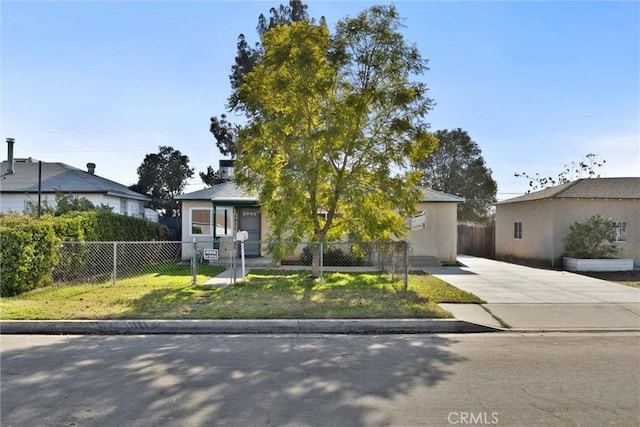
[
  {"x": 226, "y": 169},
  {"x": 10, "y": 159},
  {"x": 91, "y": 168}
]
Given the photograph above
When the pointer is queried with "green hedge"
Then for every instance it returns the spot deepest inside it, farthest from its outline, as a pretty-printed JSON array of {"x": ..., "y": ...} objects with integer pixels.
[
  {"x": 28, "y": 253},
  {"x": 29, "y": 246}
]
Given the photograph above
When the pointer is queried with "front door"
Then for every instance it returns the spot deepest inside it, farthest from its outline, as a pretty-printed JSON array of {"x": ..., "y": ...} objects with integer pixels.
[{"x": 249, "y": 221}]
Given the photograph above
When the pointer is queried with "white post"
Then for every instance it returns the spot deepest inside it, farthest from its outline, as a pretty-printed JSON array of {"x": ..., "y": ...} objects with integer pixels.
[{"x": 241, "y": 236}]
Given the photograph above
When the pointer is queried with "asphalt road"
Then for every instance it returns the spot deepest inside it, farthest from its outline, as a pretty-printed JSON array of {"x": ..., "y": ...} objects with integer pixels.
[{"x": 339, "y": 380}]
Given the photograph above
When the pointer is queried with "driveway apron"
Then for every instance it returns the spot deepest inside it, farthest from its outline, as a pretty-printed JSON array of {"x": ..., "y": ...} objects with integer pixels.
[{"x": 537, "y": 299}]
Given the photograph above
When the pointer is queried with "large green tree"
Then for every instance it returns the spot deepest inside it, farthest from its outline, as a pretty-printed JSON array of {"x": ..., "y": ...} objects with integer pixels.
[
  {"x": 163, "y": 176},
  {"x": 334, "y": 124},
  {"x": 457, "y": 167},
  {"x": 247, "y": 57}
]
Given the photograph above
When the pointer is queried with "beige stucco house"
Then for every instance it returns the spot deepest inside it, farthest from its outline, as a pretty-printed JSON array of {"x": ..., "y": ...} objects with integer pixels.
[
  {"x": 217, "y": 213},
  {"x": 534, "y": 227},
  {"x": 436, "y": 235}
]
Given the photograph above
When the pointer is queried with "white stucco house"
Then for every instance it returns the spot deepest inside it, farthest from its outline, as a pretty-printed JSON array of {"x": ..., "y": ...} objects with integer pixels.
[
  {"x": 23, "y": 179},
  {"x": 218, "y": 212}
]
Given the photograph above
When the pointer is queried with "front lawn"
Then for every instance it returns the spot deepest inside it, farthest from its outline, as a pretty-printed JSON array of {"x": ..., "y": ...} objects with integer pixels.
[{"x": 266, "y": 294}]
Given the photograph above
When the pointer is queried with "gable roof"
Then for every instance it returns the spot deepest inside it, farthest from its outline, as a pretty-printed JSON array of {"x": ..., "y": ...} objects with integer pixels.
[
  {"x": 229, "y": 192},
  {"x": 59, "y": 177},
  {"x": 592, "y": 188},
  {"x": 433, "y": 196}
]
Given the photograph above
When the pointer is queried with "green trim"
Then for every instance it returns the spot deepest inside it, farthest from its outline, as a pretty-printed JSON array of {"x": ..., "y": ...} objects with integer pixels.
[{"x": 235, "y": 203}]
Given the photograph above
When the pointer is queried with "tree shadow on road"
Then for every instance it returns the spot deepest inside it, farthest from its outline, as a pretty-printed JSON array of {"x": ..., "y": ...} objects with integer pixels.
[{"x": 204, "y": 380}]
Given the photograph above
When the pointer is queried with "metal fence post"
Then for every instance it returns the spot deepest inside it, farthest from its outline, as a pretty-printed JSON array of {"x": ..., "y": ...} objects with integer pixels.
[
  {"x": 321, "y": 263},
  {"x": 406, "y": 264},
  {"x": 115, "y": 262},
  {"x": 194, "y": 263}
]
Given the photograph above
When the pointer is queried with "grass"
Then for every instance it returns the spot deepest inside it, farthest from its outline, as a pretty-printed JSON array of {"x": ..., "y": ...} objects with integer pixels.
[
  {"x": 628, "y": 278},
  {"x": 266, "y": 294}
]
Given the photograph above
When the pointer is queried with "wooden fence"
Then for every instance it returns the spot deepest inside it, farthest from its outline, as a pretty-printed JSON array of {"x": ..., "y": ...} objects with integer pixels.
[{"x": 477, "y": 241}]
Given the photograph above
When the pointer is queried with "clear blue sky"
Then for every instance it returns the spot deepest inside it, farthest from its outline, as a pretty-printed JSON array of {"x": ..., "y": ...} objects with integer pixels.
[{"x": 535, "y": 84}]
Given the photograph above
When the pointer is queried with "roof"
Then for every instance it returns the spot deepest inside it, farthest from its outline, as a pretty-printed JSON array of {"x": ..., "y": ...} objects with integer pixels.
[
  {"x": 229, "y": 192},
  {"x": 433, "y": 196},
  {"x": 592, "y": 188},
  {"x": 59, "y": 177}
]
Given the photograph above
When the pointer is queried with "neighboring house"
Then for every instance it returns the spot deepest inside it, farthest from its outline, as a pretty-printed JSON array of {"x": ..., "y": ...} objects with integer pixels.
[
  {"x": 534, "y": 227},
  {"x": 19, "y": 186},
  {"x": 217, "y": 213}
]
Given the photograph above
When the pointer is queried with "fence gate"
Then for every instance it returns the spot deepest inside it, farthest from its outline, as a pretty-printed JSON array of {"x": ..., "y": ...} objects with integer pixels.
[{"x": 478, "y": 241}]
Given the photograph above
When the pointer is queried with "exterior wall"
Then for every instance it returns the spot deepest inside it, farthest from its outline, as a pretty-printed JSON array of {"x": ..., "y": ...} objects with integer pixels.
[
  {"x": 18, "y": 202},
  {"x": 536, "y": 244},
  {"x": 440, "y": 236},
  {"x": 545, "y": 227},
  {"x": 187, "y": 234},
  {"x": 569, "y": 211},
  {"x": 225, "y": 244}
]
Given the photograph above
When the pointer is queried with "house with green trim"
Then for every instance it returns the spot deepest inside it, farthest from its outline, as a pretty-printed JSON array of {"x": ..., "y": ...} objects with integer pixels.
[{"x": 215, "y": 214}]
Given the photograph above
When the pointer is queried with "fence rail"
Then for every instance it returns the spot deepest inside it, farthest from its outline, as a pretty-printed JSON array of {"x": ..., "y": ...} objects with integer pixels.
[{"x": 104, "y": 262}]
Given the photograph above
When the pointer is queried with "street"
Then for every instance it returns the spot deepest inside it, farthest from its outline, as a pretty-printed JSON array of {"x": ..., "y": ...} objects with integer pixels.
[{"x": 554, "y": 379}]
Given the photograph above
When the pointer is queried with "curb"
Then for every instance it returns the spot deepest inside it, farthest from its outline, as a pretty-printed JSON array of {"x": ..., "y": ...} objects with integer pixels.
[{"x": 286, "y": 326}]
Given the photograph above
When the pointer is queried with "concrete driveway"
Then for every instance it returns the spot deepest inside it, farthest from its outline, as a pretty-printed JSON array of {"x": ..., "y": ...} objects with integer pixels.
[{"x": 537, "y": 299}]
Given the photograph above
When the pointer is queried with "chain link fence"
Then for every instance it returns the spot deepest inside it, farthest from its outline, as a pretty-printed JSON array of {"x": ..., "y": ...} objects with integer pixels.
[
  {"x": 100, "y": 262},
  {"x": 108, "y": 262}
]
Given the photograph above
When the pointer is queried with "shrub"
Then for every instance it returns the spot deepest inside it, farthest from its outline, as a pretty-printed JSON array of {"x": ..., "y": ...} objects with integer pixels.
[
  {"x": 28, "y": 253},
  {"x": 594, "y": 238},
  {"x": 30, "y": 246}
]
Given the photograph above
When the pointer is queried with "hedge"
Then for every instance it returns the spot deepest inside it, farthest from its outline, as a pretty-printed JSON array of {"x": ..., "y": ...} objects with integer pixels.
[
  {"x": 29, "y": 246},
  {"x": 28, "y": 253}
]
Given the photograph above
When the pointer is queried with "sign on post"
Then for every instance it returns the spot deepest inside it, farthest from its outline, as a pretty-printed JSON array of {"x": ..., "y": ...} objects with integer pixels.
[{"x": 210, "y": 254}]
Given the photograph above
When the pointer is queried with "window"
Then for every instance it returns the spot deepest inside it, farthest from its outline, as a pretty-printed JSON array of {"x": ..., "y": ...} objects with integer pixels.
[
  {"x": 417, "y": 221},
  {"x": 123, "y": 207},
  {"x": 621, "y": 230},
  {"x": 517, "y": 230},
  {"x": 201, "y": 222},
  {"x": 224, "y": 223}
]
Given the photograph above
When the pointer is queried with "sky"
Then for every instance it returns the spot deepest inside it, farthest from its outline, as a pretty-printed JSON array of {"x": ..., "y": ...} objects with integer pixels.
[{"x": 536, "y": 85}]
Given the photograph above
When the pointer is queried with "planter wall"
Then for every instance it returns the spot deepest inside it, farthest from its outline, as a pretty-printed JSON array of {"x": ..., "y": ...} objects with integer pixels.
[{"x": 580, "y": 264}]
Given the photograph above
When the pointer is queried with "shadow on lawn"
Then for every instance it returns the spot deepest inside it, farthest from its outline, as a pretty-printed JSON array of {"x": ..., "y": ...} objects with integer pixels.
[
  {"x": 287, "y": 296},
  {"x": 202, "y": 380}
]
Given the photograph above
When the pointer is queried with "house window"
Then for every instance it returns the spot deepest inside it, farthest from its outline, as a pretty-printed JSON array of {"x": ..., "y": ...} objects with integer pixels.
[
  {"x": 201, "y": 222},
  {"x": 621, "y": 230},
  {"x": 123, "y": 207},
  {"x": 417, "y": 221},
  {"x": 224, "y": 221},
  {"x": 517, "y": 230}
]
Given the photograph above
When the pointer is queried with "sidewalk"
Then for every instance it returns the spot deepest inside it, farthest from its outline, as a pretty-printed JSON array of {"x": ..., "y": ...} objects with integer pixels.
[{"x": 532, "y": 299}]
